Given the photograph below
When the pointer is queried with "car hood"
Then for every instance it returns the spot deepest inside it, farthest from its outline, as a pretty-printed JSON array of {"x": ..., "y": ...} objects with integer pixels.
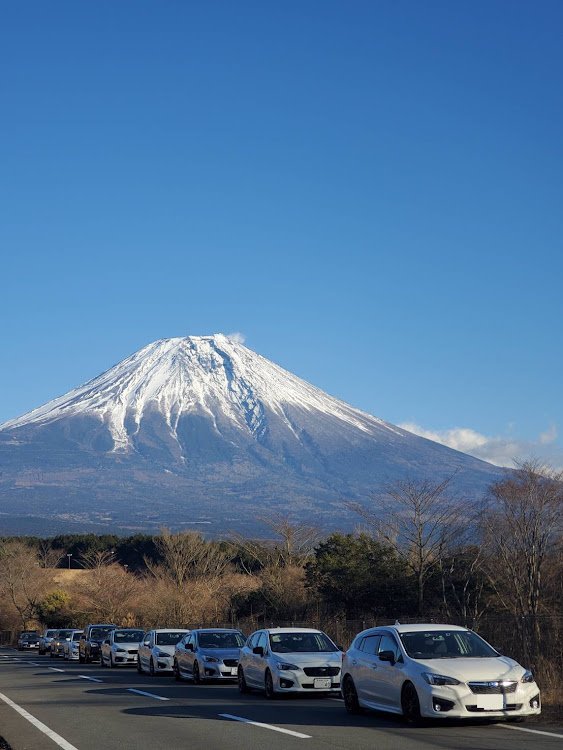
[
  {"x": 220, "y": 653},
  {"x": 166, "y": 649},
  {"x": 466, "y": 670},
  {"x": 333, "y": 659}
]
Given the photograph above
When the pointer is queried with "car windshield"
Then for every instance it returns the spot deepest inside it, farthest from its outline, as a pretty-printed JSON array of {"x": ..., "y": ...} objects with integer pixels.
[
  {"x": 32, "y": 637},
  {"x": 99, "y": 633},
  {"x": 169, "y": 639},
  {"x": 76, "y": 636},
  {"x": 446, "y": 644},
  {"x": 221, "y": 640},
  {"x": 50, "y": 633},
  {"x": 288, "y": 643},
  {"x": 64, "y": 634},
  {"x": 128, "y": 636}
]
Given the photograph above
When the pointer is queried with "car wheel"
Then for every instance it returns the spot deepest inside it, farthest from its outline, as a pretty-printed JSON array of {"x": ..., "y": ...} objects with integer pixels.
[
  {"x": 80, "y": 659},
  {"x": 139, "y": 667},
  {"x": 152, "y": 670},
  {"x": 88, "y": 659},
  {"x": 351, "y": 702},
  {"x": 269, "y": 686},
  {"x": 196, "y": 673},
  {"x": 410, "y": 704},
  {"x": 177, "y": 675},
  {"x": 241, "y": 679},
  {"x": 111, "y": 661},
  {"x": 41, "y": 653}
]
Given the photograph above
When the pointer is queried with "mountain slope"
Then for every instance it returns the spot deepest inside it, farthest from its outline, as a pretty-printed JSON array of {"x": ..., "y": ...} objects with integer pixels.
[{"x": 203, "y": 430}]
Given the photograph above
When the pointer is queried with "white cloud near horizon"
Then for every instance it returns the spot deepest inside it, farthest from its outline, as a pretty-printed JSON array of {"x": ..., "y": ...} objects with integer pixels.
[
  {"x": 500, "y": 450},
  {"x": 237, "y": 337}
]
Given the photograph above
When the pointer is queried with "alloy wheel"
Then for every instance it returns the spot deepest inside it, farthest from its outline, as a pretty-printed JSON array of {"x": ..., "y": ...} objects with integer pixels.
[{"x": 410, "y": 704}]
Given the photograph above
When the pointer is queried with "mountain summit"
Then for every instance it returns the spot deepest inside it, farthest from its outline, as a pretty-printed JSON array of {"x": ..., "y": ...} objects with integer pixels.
[{"x": 203, "y": 430}]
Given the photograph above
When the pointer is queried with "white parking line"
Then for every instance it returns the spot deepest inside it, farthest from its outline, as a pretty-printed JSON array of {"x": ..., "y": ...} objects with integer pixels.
[
  {"x": 61, "y": 742},
  {"x": 531, "y": 731},
  {"x": 54, "y": 669},
  {"x": 266, "y": 726},
  {"x": 33, "y": 663},
  {"x": 93, "y": 679},
  {"x": 149, "y": 695}
]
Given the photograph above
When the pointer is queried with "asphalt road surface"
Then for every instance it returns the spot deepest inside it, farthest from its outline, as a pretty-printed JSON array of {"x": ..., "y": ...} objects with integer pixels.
[{"x": 48, "y": 703}]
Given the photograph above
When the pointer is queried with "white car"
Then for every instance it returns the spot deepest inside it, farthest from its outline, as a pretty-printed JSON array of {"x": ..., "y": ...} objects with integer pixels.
[
  {"x": 120, "y": 648},
  {"x": 70, "y": 649},
  {"x": 438, "y": 671},
  {"x": 156, "y": 650},
  {"x": 289, "y": 660},
  {"x": 208, "y": 654}
]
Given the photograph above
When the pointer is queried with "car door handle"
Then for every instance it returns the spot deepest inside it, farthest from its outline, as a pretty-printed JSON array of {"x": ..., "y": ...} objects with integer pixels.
[{"x": 354, "y": 661}]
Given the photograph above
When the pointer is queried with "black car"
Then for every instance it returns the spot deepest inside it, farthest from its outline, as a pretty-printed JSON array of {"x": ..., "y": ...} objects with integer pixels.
[
  {"x": 28, "y": 640},
  {"x": 91, "y": 641}
]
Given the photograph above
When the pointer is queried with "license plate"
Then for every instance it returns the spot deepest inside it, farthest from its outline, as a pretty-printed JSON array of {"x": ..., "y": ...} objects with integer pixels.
[
  {"x": 491, "y": 702},
  {"x": 322, "y": 683},
  {"x": 234, "y": 671}
]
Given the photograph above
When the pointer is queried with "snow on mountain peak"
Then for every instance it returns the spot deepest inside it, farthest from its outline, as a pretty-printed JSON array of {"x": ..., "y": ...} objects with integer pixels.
[{"x": 196, "y": 375}]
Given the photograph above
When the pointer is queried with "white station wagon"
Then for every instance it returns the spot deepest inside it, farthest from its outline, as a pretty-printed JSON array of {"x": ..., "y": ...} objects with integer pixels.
[{"x": 438, "y": 671}]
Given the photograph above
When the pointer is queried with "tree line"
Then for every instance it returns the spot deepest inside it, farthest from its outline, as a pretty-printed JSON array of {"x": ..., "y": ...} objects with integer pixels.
[{"x": 420, "y": 551}]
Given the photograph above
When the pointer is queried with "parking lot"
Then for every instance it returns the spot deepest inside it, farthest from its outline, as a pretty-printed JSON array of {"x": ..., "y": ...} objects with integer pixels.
[{"x": 49, "y": 703}]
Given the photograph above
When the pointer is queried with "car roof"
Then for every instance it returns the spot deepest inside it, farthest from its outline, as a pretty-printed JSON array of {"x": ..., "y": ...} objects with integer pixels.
[
  {"x": 292, "y": 630},
  {"x": 216, "y": 630},
  {"x": 168, "y": 630},
  {"x": 417, "y": 627}
]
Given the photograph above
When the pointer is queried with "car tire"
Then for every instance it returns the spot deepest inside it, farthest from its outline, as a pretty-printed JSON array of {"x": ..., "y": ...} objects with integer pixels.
[
  {"x": 241, "y": 680},
  {"x": 410, "y": 705},
  {"x": 111, "y": 661},
  {"x": 176, "y": 670},
  {"x": 80, "y": 658},
  {"x": 152, "y": 670},
  {"x": 350, "y": 695},
  {"x": 102, "y": 665},
  {"x": 41, "y": 653},
  {"x": 196, "y": 673},
  {"x": 269, "y": 686},
  {"x": 139, "y": 667}
]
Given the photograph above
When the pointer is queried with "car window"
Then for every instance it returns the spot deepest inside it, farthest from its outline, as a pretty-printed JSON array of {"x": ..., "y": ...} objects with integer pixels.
[
  {"x": 169, "y": 639},
  {"x": 127, "y": 636},
  {"x": 77, "y": 636},
  {"x": 369, "y": 644},
  {"x": 388, "y": 643},
  {"x": 221, "y": 640},
  {"x": 441, "y": 644},
  {"x": 288, "y": 643},
  {"x": 251, "y": 640},
  {"x": 190, "y": 640},
  {"x": 262, "y": 641}
]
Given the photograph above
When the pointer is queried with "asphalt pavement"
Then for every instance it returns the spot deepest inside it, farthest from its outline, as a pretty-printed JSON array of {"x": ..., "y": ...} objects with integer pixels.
[{"x": 48, "y": 703}]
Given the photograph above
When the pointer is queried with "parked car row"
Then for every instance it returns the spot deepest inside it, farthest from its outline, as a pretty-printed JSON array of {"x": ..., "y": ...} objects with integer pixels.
[{"x": 423, "y": 670}]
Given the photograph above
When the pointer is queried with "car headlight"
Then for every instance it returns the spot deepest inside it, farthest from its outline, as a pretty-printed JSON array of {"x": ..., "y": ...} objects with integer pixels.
[
  {"x": 527, "y": 676},
  {"x": 210, "y": 658},
  {"x": 284, "y": 667},
  {"x": 439, "y": 679},
  {"x": 162, "y": 653}
]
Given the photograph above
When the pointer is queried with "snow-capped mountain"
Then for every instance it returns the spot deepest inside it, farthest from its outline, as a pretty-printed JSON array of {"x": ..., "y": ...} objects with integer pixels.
[{"x": 203, "y": 430}]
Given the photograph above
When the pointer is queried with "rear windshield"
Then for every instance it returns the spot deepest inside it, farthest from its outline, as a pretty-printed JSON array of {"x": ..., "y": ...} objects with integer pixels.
[
  {"x": 221, "y": 640},
  {"x": 446, "y": 644},
  {"x": 169, "y": 639},
  {"x": 128, "y": 636},
  {"x": 288, "y": 643},
  {"x": 99, "y": 633}
]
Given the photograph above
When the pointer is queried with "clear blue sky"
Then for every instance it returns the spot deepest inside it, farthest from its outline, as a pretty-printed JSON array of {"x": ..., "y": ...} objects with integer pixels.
[{"x": 370, "y": 191}]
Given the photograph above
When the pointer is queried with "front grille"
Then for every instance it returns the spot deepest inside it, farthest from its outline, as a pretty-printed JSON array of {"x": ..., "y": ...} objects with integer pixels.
[
  {"x": 133, "y": 652},
  {"x": 321, "y": 671},
  {"x": 508, "y": 707},
  {"x": 494, "y": 687},
  {"x": 230, "y": 662}
]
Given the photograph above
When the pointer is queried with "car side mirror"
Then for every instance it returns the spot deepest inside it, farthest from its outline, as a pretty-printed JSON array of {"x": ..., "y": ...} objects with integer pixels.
[
  {"x": 146, "y": 643},
  {"x": 387, "y": 656},
  {"x": 189, "y": 646},
  {"x": 106, "y": 642},
  {"x": 258, "y": 650}
]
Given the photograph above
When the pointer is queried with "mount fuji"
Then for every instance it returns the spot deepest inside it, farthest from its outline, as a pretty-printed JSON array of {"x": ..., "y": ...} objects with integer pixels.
[{"x": 203, "y": 432}]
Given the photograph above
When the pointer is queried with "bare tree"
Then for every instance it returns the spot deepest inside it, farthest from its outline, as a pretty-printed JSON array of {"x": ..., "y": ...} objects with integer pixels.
[
  {"x": 188, "y": 555},
  {"x": 521, "y": 527},
  {"x": 47, "y": 556},
  {"x": 22, "y": 581},
  {"x": 297, "y": 539},
  {"x": 96, "y": 559},
  {"x": 419, "y": 519}
]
